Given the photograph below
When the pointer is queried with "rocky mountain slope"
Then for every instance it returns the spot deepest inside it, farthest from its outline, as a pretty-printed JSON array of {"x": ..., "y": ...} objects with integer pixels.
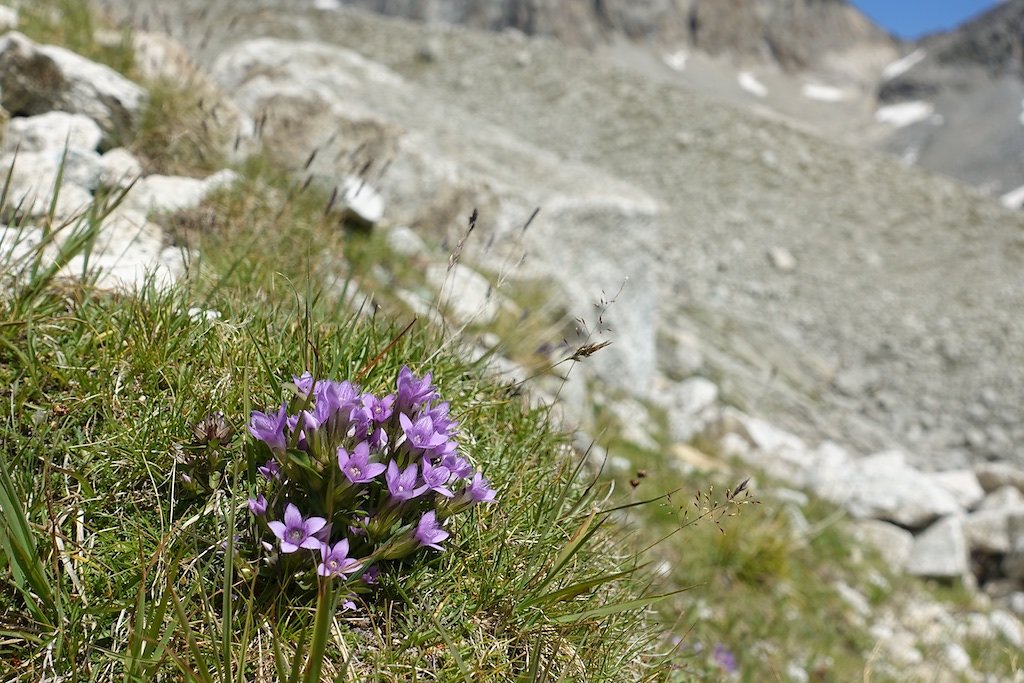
[{"x": 950, "y": 104}]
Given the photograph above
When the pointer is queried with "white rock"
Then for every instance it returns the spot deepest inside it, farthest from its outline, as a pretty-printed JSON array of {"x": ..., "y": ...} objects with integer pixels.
[
  {"x": 8, "y": 19},
  {"x": 893, "y": 543},
  {"x": 796, "y": 673},
  {"x": 992, "y": 475},
  {"x": 52, "y": 131},
  {"x": 957, "y": 658},
  {"x": 16, "y": 244},
  {"x": 198, "y": 314},
  {"x": 365, "y": 204},
  {"x": 781, "y": 454},
  {"x": 782, "y": 259},
  {"x": 465, "y": 294},
  {"x": 749, "y": 82},
  {"x": 1016, "y": 603},
  {"x": 404, "y": 241},
  {"x": 975, "y": 626},
  {"x": 37, "y": 172},
  {"x": 904, "y": 113},
  {"x": 963, "y": 485},
  {"x": 694, "y": 395},
  {"x": 686, "y": 402},
  {"x": 853, "y": 598},
  {"x": 127, "y": 250},
  {"x": 1008, "y": 626},
  {"x": 1002, "y": 497},
  {"x": 988, "y": 530},
  {"x": 65, "y": 81},
  {"x": 940, "y": 551},
  {"x": 119, "y": 168},
  {"x": 167, "y": 194},
  {"x": 33, "y": 182}
]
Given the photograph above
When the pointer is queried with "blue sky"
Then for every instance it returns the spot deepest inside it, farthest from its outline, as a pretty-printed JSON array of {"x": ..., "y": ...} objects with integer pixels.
[{"x": 914, "y": 18}]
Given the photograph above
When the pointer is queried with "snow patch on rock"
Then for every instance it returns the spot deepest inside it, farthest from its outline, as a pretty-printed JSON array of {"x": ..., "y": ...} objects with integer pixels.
[
  {"x": 904, "y": 113},
  {"x": 904, "y": 64},
  {"x": 823, "y": 93},
  {"x": 749, "y": 82},
  {"x": 676, "y": 60},
  {"x": 1014, "y": 199}
]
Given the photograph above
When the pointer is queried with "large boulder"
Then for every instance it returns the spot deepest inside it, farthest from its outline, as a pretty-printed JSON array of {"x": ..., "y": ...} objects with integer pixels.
[{"x": 35, "y": 79}]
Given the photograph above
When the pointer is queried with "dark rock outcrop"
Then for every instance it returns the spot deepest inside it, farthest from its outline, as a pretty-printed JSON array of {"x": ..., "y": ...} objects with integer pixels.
[{"x": 793, "y": 33}]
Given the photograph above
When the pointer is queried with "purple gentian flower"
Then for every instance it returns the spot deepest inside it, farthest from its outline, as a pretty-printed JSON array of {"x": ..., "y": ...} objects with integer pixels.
[
  {"x": 439, "y": 416},
  {"x": 429, "y": 533},
  {"x": 335, "y": 560},
  {"x": 725, "y": 659},
  {"x": 479, "y": 490},
  {"x": 335, "y": 398},
  {"x": 258, "y": 505},
  {"x": 371, "y": 575},
  {"x": 269, "y": 428},
  {"x": 378, "y": 440},
  {"x": 458, "y": 466},
  {"x": 357, "y": 467},
  {"x": 380, "y": 409},
  {"x": 304, "y": 382},
  {"x": 413, "y": 392},
  {"x": 402, "y": 486},
  {"x": 296, "y": 532},
  {"x": 306, "y": 423},
  {"x": 348, "y": 604},
  {"x": 420, "y": 434},
  {"x": 270, "y": 470},
  {"x": 436, "y": 477}
]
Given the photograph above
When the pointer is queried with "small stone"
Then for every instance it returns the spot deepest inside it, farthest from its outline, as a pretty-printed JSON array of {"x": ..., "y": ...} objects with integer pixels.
[
  {"x": 466, "y": 295},
  {"x": 405, "y": 242},
  {"x": 940, "y": 551},
  {"x": 119, "y": 168},
  {"x": 987, "y": 531},
  {"x": 168, "y": 194},
  {"x": 1002, "y": 497},
  {"x": 1008, "y": 626},
  {"x": 796, "y": 673},
  {"x": 894, "y": 543},
  {"x": 853, "y": 598},
  {"x": 962, "y": 485},
  {"x": 1016, "y": 603},
  {"x": 957, "y": 658},
  {"x": 992, "y": 475},
  {"x": 430, "y": 50},
  {"x": 364, "y": 203},
  {"x": 782, "y": 259}
]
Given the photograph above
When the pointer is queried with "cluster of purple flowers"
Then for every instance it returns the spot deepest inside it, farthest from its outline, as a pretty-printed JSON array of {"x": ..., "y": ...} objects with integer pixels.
[{"x": 376, "y": 476}]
